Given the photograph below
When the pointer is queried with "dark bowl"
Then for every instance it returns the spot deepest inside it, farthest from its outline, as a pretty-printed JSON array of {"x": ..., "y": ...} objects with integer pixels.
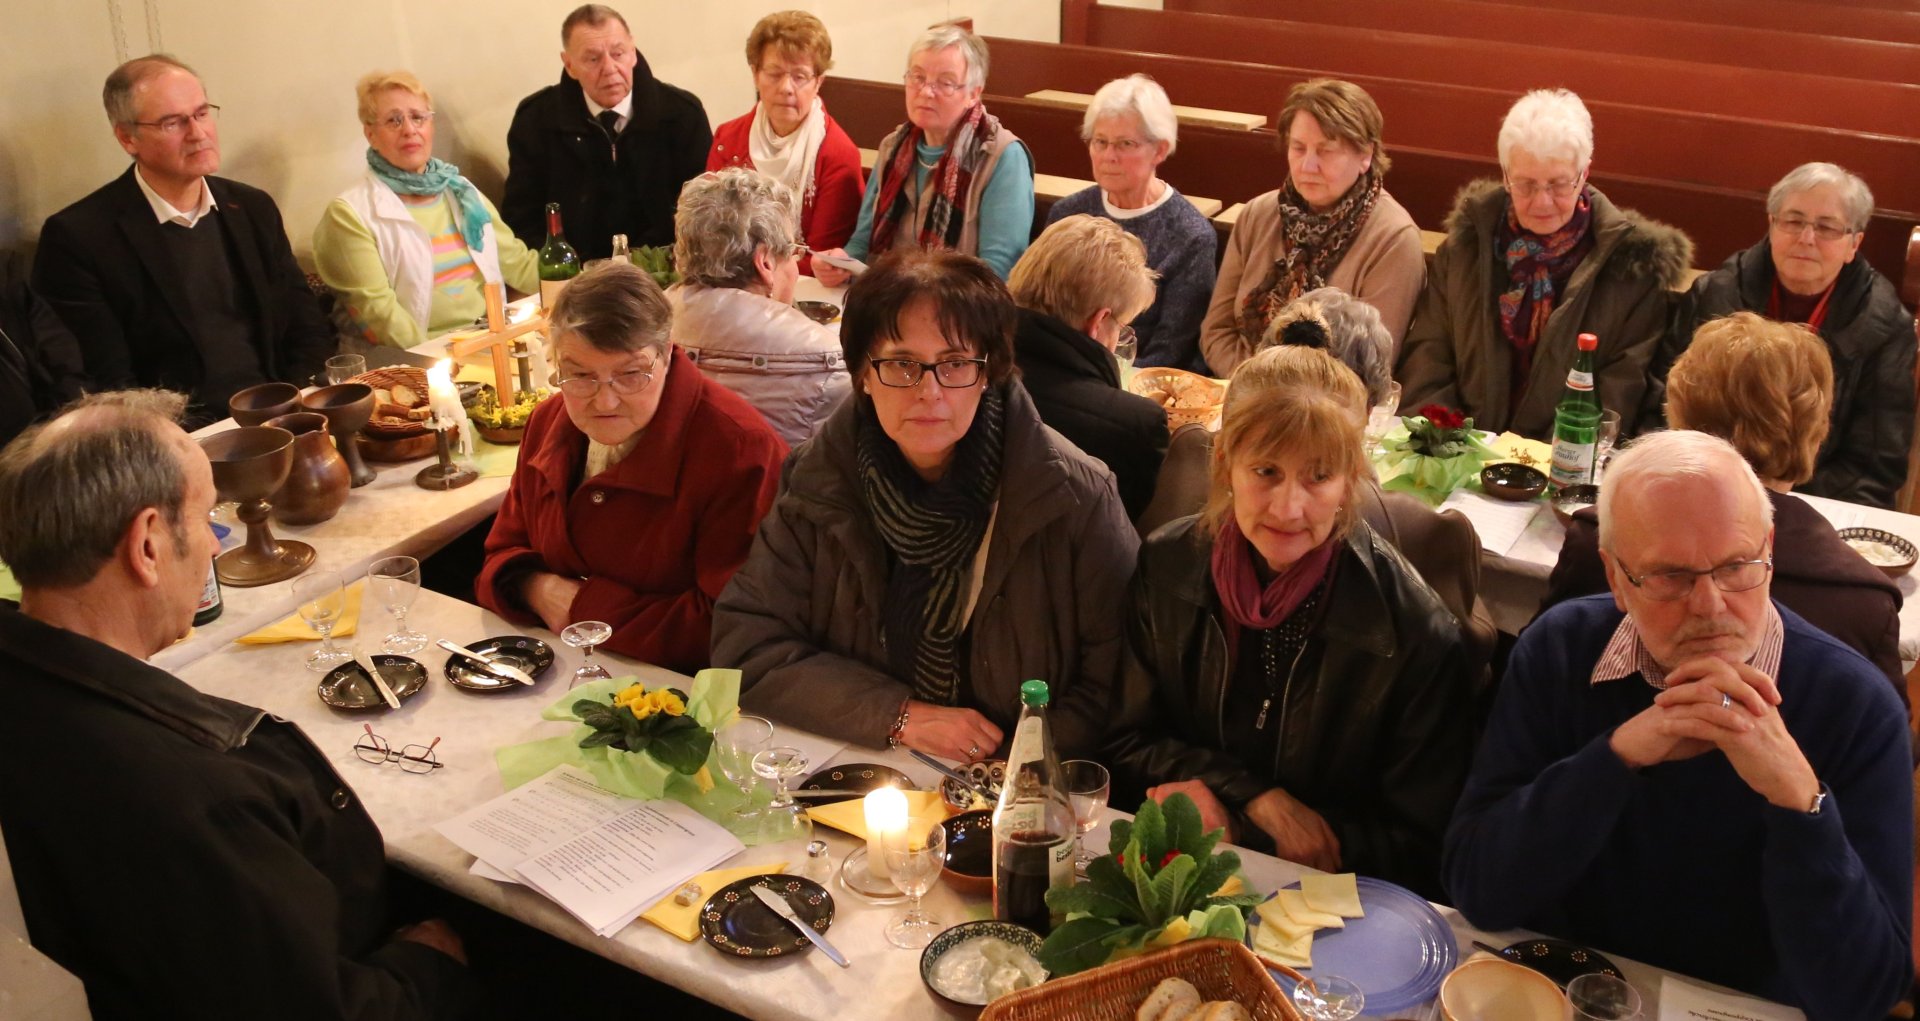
[
  {"x": 950, "y": 940},
  {"x": 256, "y": 404},
  {"x": 1572, "y": 498},
  {"x": 969, "y": 866},
  {"x": 1511, "y": 480},
  {"x": 822, "y": 312},
  {"x": 1899, "y": 546}
]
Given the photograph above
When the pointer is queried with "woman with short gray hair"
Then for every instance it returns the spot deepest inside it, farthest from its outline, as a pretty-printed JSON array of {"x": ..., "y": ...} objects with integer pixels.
[
  {"x": 1531, "y": 262},
  {"x": 1808, "y": 269},
  {"x": 1130, "y": 130},
  {"x": 952, "y": 176},
  {"x": 733, "y": 313},
  {"x": 1348, "y": 328}
]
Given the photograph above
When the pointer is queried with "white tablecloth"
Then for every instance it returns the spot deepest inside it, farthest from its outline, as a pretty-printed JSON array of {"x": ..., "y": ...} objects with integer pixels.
[{"x": 883, "y": 981}]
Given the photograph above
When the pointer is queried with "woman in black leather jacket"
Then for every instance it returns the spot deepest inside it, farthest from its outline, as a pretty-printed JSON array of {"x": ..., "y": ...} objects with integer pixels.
[{"x": 1290, "y": 671}]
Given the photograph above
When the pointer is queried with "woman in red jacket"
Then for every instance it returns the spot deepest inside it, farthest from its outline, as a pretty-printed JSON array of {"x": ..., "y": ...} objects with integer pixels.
[
  {"x": 788, "y": 135},
  {"x": 638, "y": 489}
]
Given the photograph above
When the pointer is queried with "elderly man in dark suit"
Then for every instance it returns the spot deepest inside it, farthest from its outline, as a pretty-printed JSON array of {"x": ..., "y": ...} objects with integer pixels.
[
  {"x": 609, "y": 142},
  {"x": 170, "y": 276}
]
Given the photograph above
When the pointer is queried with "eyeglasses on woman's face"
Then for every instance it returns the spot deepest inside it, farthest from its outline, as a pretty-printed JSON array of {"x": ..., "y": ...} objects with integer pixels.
[
  {"x": 586, "y": 387},
  {"x": 953, "y": 373}
]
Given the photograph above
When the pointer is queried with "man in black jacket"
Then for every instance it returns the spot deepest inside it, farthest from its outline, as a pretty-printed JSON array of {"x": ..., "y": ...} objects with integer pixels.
[
  {"x": 181, "y": 854},
  {"x": 169, "y": 276},
  {"x": 1808, "y": 270},
  {"x": 1078, "y": 285},
  {"x": 610, "y": 143}
]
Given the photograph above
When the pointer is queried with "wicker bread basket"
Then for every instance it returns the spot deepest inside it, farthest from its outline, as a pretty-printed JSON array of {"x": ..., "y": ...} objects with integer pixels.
[
  {"x": 1188, "y": 397},
  {"x": 1220, "y": 969},
  {"x": 410, "y": 376}
]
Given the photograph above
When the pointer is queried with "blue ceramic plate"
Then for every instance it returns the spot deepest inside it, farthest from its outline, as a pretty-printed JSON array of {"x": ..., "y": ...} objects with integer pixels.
[{"x": 1397, "y": 954}]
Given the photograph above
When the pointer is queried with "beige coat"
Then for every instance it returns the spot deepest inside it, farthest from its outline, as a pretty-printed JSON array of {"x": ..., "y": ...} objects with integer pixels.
[
  {"x": 908, "y": 229},
  {"x": 1383, "y": 268}
]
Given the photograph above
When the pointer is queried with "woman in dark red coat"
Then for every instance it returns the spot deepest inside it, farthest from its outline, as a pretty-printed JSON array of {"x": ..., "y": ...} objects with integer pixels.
[
  {"x": 638, "y": 489},
  {"x": 788, "y": 135}
]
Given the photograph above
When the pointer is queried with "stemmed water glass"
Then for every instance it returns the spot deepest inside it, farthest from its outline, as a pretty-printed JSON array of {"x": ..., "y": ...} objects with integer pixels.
[
  {"x": 1602, "y": 997},
  {"x": 586, "y": 634},
  {"x": 1126, "y": 347},
  {"x": 395, "y": 581},
  {"x": 914, "y": 856},
  {"x": 1087, "y": 786},
  {"x": 1603, "y": 440},
  {"x": 1380, "y": 419},
  {"x": 785, "y": 819},
  {"x": 342, "y": 368},
  {"x": 735, "y": 745},
  {"x": 1329, "y": 998},
  {"x": 322, "y": 600}
]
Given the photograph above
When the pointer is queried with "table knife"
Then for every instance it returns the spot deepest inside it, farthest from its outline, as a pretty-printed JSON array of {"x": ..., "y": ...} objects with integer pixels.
[
  {"x": 373, "y": 673},
  {"x": 510, "y": 672},
  {"x": 785, "y": 910}
]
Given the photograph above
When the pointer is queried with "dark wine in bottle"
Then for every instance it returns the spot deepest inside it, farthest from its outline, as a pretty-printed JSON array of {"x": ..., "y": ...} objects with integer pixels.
[{"x": 1022, "y": 874}]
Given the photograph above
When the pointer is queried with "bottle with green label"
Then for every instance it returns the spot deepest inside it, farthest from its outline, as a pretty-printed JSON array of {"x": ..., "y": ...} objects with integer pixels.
[
  {"x": 1033, "y": 826},
  {"x": 559, "y": 263},
  {"x": 1576, "y": 422}
]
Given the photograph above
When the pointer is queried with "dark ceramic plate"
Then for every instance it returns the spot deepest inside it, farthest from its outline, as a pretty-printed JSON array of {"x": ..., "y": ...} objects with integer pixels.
[
  {"x": 822, "y": 312},
  {"x": 969, "y": 864},
  {"x": 854, "y": 776},
  {"x": 1511, "y": 480},
  {"x": 738, "y": 925},
  {"x": 529, "y": 654},
  {"x": 1559, "y": 960},
  {"x": 1020, "y": 936},
  {"x": 347, "y": 687}
]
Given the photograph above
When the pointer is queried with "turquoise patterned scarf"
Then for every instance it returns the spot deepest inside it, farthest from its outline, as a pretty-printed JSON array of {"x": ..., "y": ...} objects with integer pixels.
[{"x": 436, "y": 177}]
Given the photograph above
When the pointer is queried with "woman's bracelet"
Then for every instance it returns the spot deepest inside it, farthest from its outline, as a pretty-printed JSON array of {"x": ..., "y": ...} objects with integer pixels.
[{"x": 899, "y": 728}]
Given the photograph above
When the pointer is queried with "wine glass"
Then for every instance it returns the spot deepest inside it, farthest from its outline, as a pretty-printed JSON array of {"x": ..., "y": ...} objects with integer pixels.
[
  {"x": 322, "y": 600},
  {"x": 395, "y": 582},
  {"x": 735, "y": 745},
  {"x": 1329, "y": 998},
  {"x": 785, "y": 819},
  {"x": 1381, "y": 418},
  {"x": 586, "y": 634},
  {"x": 1087, "y": 786},
  {"x": 1602, "y": 997},
  {"x": 914, "y": 856},
  {"x": 342, "y": 368},
  {"x": 1603, "y": 440}
]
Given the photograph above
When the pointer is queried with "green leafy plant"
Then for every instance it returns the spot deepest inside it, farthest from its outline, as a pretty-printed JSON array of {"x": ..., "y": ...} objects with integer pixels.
[
  {"x": 655, "y": 722},
  {"x": 657, "y": 260},
  {"x": 1159, "y": 886}
]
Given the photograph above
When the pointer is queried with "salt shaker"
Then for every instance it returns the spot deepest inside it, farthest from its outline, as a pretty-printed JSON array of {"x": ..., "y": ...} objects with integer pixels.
[{"x": 818, "y": 865}]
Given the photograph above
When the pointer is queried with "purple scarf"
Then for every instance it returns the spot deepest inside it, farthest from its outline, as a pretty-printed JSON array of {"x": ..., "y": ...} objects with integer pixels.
[{"x": 1247, "y": 602}]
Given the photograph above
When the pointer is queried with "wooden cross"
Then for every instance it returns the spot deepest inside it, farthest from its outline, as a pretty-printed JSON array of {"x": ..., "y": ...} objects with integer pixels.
[{"x": 497, "y": 340}]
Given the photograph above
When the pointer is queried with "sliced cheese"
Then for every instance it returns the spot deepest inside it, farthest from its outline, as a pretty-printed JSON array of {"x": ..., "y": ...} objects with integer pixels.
[
  {"x": 1294, "y": 903},
  {"x": 1275, "y": 920},
  {"x": 1294, "y": 952},
  {"x": 1336, "y": 894}
]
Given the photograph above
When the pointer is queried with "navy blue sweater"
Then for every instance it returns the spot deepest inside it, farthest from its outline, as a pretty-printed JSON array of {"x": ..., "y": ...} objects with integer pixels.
[
  {"x": 1681, "y": 864},
  {"x": 1182, "y": 247}
]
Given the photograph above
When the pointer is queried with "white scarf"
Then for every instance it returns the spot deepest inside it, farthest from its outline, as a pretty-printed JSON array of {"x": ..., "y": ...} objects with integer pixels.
[{"x": 788, "y": 160}]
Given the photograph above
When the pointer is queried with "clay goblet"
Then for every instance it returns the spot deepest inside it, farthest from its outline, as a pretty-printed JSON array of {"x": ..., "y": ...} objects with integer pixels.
[
  {"x": 249, "y": 465},
  {"x": 347, "y": 407},
  {"x": 256, "y": 404}
]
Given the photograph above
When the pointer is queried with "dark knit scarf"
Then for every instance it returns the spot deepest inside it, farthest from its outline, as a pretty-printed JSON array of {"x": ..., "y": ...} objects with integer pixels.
[
  {"x": 1315, "y": 244},
  {"x": 934, "y": 530},
  {"x": 967, "y": 148},
  {"x": 1538, "y": 266}
]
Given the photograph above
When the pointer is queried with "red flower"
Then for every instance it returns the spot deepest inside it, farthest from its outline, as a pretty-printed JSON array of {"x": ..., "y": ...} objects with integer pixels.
[
  {"x": 1171, "y": 855},
  {"x": 1443, "y": 417}
]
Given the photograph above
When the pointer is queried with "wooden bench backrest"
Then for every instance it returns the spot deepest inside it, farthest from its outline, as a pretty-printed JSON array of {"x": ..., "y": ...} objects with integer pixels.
[{"x": 1900, "y": 26}]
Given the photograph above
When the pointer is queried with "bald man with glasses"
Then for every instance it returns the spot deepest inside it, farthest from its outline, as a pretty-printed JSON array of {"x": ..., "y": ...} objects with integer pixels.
[{"x": 1689, "y": 774}]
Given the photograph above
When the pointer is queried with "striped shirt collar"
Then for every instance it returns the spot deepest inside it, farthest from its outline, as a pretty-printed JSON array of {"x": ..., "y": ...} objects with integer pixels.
[{"x": 1627, "y": 655}]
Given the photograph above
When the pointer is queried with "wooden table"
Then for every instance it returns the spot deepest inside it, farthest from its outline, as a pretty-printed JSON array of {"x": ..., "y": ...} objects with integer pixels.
[{"x": 883, "y": 981}]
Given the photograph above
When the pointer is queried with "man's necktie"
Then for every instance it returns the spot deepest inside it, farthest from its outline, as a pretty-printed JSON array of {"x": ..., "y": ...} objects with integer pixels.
[{"x": 609, "y": 119}]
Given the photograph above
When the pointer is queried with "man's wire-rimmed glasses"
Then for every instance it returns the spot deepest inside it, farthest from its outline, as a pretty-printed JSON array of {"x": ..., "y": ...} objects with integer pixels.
[{"x": 413, "y": 758}]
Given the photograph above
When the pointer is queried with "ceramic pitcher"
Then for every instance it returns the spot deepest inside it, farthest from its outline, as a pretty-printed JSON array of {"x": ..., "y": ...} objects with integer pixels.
[{"x": 320, "y": 481}]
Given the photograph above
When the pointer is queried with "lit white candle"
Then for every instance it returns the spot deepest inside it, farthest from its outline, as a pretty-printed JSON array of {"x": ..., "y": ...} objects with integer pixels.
[
  {"x": 886, "y": 810},
  {"x": 443, "y": 400}
]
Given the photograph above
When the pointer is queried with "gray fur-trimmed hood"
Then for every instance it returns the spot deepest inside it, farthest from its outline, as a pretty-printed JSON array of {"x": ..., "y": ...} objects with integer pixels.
[{"x": 1634, "y": 245}]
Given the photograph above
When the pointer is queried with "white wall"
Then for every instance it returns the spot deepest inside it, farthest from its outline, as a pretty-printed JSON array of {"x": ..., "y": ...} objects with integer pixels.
[{"x": 283, "y": 72}]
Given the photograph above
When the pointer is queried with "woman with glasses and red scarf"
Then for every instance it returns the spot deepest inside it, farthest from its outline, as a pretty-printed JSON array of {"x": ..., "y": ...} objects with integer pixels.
[
  {"x": 952, "y": 176},
  {"x": 934, "y": 544},
  {"x": 1529, "y": 264},
  {"x": 639, "y": 485}
]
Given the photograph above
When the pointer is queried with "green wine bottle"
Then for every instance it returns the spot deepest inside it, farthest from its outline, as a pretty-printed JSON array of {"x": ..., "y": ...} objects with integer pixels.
[
  {"x": 559, "y": 263},
  {"x": 1576, "y": 422}
]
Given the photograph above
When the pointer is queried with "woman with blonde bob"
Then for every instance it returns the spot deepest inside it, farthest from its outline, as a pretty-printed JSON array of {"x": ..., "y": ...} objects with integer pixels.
[
  {"x": 1767, "y": 388},
  {"x": 1331, "y": 223},
  {"x": 1078, "y": 287},
  {"x": 1130, "y": 130},
  {"x": 411, "y": 248},
  {"x": 1290, "y": 672}
]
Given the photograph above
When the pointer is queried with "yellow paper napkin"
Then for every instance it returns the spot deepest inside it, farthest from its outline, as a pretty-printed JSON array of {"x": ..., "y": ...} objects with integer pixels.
[
  {"x": 683, "y": 920},
  {"x": 851, "y": 816},
  {"x": 1514, "y": 447},
  {"x": 293, "y": 629}
]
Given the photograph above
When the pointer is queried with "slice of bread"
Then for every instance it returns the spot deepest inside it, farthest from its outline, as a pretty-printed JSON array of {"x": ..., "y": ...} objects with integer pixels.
[{"x": 1172, "y": 1000}]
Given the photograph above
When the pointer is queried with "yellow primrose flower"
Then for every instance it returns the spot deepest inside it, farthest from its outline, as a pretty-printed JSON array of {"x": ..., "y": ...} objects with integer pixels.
[
  {"x": 668, "y": 702},
  {"x": 631, "y": 693},
  {"x": 642, "y": 708}
]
